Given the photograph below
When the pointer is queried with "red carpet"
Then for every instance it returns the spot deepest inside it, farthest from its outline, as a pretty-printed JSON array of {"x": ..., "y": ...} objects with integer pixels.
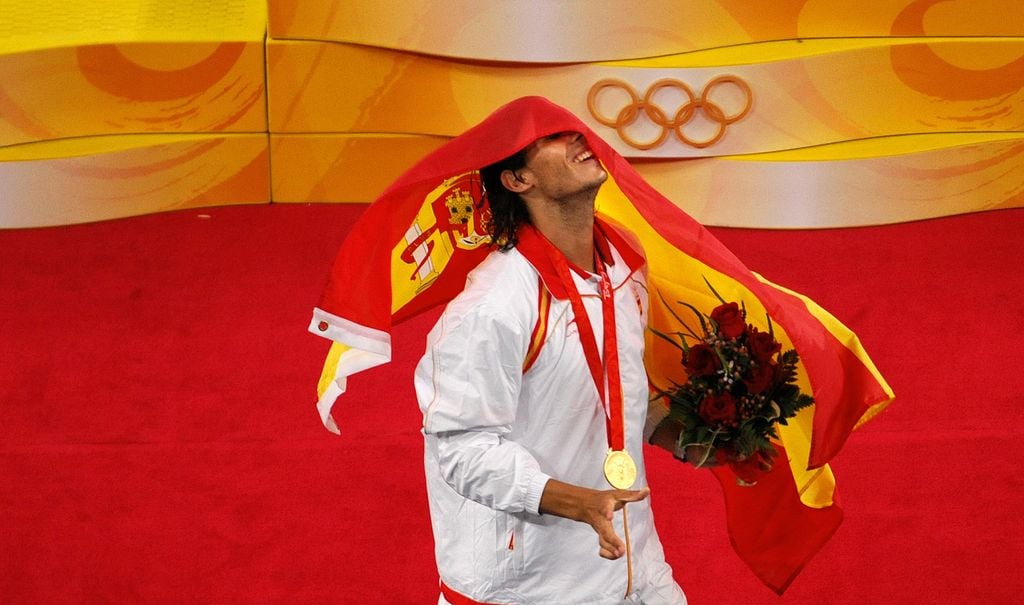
[{"x": 159, "y": 442}]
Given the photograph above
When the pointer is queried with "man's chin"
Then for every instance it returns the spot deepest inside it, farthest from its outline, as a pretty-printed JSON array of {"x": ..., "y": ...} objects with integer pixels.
[{"x": 594, "y": 186}]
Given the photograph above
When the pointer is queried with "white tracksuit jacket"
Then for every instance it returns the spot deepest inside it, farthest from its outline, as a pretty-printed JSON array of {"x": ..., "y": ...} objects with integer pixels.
[{"x": 494, "y": 436}]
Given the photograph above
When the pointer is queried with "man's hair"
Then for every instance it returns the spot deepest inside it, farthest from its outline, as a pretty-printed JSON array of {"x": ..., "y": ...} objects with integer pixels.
[{"x": 508, "y": 211}]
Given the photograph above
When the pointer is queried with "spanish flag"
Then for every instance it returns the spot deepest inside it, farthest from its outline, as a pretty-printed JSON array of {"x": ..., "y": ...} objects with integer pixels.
[{"x": 412, "y": 248}]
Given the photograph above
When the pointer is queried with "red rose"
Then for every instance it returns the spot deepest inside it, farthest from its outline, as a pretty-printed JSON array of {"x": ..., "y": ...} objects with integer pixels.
[
  {"x": 729, "y": 319},
  {"x": 718, "y": 409},
  {"x": 762, "y": 346},
  {"x": 701, "y": 360},
  {"x": 761, "y": 377}
]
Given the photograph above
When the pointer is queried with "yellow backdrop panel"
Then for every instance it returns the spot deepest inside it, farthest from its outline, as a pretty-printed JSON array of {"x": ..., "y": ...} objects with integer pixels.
[
  {"x": 850, "y": 192},
  {"x": 132, "y": 88},
  {"x": 578, "y": 30},
  {"x": 864, "y": 92},
  {"x": 86, "y": 180},
  {"x": 27, "y": 25},
  {"x": 342, "y": 168},
  {"x": 955, "y": 174},
  {"x": 788, "y": 113}
]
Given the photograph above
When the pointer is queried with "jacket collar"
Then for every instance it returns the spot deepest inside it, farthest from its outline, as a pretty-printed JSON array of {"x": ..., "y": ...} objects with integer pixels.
[{"x": 535, "y": 248}]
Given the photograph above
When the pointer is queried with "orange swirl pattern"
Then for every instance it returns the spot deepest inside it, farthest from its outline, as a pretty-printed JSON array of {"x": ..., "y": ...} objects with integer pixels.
[
  {"x": 109, "y": 70},
  {"x": 111, "y": 89},
  {"x": 922, "y": 69}
]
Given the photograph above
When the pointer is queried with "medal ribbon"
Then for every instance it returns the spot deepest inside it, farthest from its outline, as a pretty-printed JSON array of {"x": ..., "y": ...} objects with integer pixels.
[
  {"x": 614, "y": 419},
  {"x": 598, "y": 371}
]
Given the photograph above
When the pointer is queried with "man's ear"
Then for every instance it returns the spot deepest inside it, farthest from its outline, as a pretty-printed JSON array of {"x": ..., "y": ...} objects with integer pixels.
[{"x": 514, "y": 182}]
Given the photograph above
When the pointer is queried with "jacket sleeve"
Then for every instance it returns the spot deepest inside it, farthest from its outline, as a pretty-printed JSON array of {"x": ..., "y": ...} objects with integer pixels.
[{"x": 468, "y": 385}]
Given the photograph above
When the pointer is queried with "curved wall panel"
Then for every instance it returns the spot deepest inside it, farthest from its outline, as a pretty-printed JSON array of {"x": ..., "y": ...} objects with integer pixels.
[
  {"x": 823, "y": 187},
  {"x": 842, "y": 193},
  {"x": 722, "y": 110},
  {"x": 786, "y": 113},
  {"x": 68, "y": 182},
  {"x": 29, "y": 25},
  {"x": 790, "y": 113},
  {"x": 112, "y": 108},
  {"x": 541, "y": 31},
  {"x": 340, "y": 167},
  {"x": 131, "y": 88}
]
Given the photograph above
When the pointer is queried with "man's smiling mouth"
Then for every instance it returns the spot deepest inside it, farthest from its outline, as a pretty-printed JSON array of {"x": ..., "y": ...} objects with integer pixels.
[{"x": 583, "y": 156}]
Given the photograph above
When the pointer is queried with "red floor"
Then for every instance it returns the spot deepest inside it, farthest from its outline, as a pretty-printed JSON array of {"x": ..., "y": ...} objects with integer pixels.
[{"x": 158, "y": 441}]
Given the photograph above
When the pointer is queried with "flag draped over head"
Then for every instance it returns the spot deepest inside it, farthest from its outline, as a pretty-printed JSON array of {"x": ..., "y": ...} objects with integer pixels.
[{"x": 414, "y": 246}]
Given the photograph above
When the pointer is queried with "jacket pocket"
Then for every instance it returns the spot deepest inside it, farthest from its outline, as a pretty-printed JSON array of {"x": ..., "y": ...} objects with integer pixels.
[{"x": 509, "y": 545}]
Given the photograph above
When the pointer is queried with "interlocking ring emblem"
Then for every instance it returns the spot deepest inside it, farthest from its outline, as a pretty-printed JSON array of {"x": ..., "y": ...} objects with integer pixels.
[{"x": 646, "y": 106}]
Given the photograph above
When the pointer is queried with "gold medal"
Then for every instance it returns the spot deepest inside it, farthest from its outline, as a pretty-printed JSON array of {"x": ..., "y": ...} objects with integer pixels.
[{"x": 619, "y": 469}]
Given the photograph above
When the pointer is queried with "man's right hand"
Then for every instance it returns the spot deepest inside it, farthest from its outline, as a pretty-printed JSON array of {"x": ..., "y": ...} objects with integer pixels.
[{"x": 594, "y": 507}]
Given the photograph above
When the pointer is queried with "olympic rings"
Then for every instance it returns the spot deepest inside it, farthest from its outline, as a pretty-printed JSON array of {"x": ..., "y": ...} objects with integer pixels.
[{"x": 629, "y": 114}]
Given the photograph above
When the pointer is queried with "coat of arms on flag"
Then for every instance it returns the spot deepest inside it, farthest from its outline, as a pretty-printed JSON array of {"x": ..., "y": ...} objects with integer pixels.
[{"x": 451, "y": 218}]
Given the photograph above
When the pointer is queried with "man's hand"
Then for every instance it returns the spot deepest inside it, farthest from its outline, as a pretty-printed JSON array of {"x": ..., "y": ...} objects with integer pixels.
[
  {"x": 666, "y": 436},
  {"x": 594, "y": 507},
  {"x": 701, "y": 456}
]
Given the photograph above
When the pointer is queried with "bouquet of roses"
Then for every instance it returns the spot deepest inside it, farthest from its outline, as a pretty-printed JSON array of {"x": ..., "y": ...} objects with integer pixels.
[{"x": 740, "y": 386}]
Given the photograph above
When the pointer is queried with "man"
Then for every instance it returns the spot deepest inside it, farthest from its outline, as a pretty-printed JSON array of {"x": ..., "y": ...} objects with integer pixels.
[
  {"x": 532, "y": 376},
  {"x": 515, "y": 414}
]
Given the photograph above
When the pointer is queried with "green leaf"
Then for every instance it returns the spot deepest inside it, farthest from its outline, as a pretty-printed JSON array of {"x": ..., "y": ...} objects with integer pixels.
[
  {"x": 679, "y": 319},
  {"x": 700, "y": 316},
  {"x": 682, "y": 347},
  {"x": 713, "y": 291}
]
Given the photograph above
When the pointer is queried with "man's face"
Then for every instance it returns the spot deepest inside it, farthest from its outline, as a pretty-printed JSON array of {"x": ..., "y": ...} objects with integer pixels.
[{"x": 561, "y": 166}]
